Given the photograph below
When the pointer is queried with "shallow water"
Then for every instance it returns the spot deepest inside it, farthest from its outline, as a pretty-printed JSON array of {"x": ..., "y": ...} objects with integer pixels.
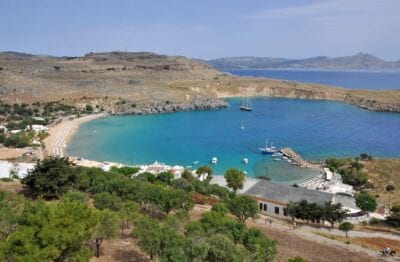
[{"x": 315, "y": 129}]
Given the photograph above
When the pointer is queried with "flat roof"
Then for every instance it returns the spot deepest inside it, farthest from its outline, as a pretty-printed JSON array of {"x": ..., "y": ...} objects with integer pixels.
[{"x": 285, "y": 194}]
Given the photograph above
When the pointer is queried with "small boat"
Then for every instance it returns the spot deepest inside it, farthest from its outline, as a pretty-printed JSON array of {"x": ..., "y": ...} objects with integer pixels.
[
  {"x": 188, "y": 166},
  {"x": 245, "y": 161},
  {"x": 267, "y": 149},
  {"x": 277, "y": 159},
  {"x": 242, "y": 127},
  {"x": 289, "y": 160},
  {"x": 195, "y": 162},
  {"x": 246, "y": 105},
  {"x": 214, "y": 160},
  {"x": 285, "y": 157},
  {"x": 277, "y": 154}
]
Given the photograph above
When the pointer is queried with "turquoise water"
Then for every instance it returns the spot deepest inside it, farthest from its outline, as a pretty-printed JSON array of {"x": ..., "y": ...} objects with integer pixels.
[
  {"x": 351, "y": 79},
  {"x": 315, "y": 129}
]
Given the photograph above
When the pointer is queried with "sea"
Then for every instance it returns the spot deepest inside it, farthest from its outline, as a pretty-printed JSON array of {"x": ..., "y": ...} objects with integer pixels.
[{"x": 315, "y": 129}]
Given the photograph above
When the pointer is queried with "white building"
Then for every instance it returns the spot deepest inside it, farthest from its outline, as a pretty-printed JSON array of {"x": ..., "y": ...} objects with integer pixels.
[
  {"x": 328, "y": 174},
  {"x": 19, "y": 169},
  {"x": 272, "y": 198},
  {"x": 38, "y": 128}
]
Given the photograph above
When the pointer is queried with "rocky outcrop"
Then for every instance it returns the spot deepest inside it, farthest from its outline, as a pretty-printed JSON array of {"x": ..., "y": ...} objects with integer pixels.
[{"x": 196, "y": 103}]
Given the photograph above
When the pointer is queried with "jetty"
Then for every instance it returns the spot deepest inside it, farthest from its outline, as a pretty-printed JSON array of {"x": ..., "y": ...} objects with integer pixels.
[{"x": 297, "y": 159}]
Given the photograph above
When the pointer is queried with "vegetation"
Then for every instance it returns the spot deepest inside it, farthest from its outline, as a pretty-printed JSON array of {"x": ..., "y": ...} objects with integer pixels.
[
  {"x": 235, "y": 179},
  {"x": 51, "y": 178},
  {"x": 393, "y": 220},
  {"x": 243, "y": 207},
  {"x": 366, "y": 202},
  {"x": 19, "y": 140},
  {"x": 72, "y": 229},
  {"x": 297, "y": 259},
  {"x": 316, "y": 212},
  {"x": 350, "y": 170},
  {"x": 346, "y": 227}
]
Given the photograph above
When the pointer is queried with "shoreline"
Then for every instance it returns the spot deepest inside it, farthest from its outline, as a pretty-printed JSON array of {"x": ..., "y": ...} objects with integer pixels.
[{"x": 60, "y": 134}]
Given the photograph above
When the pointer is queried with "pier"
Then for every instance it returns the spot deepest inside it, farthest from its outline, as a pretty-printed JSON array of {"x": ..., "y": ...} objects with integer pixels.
[{"x": 297, "y": 159}]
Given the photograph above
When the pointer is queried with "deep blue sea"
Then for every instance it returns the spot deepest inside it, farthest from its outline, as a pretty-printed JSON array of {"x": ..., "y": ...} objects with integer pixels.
[
  {"x": 361, "y": 79},
  {"x": 315, "y": 129}
]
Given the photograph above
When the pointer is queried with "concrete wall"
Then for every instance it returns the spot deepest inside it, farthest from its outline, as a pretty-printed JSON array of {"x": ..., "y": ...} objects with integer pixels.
[{"x": 271, "y": 208}]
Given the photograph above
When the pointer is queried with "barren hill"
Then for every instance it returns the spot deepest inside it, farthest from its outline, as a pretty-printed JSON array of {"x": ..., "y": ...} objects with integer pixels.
[
  {"x": 358, "y": 61},
  {"x": 123, "y": 82}
]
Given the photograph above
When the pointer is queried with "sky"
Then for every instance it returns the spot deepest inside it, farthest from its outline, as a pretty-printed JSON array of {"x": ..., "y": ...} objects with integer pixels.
[{"x": 204, "y": 29}]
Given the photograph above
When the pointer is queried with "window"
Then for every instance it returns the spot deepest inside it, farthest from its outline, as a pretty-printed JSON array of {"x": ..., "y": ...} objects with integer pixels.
[
  {"x": 260, "y": 206},
  {"x": 277, "y": 210},
  {"x": 265, "y": 207}
]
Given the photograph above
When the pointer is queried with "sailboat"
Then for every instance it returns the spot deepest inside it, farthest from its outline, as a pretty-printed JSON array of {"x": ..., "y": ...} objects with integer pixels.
[
  {"x": 268, "y": 150},
  {"x": 246, "y": 105}
]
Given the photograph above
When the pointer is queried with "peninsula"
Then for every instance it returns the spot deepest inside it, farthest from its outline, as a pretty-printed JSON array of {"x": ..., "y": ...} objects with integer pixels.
[{"x": 143, "y": 83}]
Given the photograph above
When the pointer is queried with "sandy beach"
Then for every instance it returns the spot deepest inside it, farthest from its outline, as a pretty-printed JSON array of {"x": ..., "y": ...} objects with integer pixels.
[{"x": 61, "y": 134}]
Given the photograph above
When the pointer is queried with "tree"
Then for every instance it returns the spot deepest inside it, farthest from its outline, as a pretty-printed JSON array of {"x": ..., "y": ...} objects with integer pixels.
[
  {"x": 235, "y": 179},
  {"x": 333, "y": 213},
  {"x": 51, "y": 177},
  {"x": 221, "y": 248},
  {"x": 204, "y": 170},
  {"x": 165, "y": 177},
  {"x": 106, "y": 228},
  {"x": 106, "y": 200},
  {"x": 129, "y": 211},
  {"x": 292, "y": 210},
  {"x": 346, "y": 227},
  {"x": 390, "y": 188},
  {"x": 51, "y": 232},
  {"x": 260, "y": 247},
  {"x": 366, "y": 202},
  {"x": 243, "y": 207},
  {"x": 159, "y": 240}
]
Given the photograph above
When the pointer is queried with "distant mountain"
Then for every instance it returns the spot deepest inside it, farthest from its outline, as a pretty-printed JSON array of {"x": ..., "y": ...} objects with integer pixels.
[{"x": 358, "y": 61}]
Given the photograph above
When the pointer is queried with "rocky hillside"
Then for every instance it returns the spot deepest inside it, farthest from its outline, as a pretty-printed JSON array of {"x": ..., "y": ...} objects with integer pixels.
[
  {"x": 359, "y": 61},
  {"x": 142, "y": 83}
]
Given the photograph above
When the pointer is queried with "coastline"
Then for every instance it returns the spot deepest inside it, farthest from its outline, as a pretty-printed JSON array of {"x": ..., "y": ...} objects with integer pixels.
[{"x": 60, "y": 134}]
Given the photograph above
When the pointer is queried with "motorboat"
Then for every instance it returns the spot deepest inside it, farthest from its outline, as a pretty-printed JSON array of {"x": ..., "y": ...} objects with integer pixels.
[{"x": 214, "y": 160}]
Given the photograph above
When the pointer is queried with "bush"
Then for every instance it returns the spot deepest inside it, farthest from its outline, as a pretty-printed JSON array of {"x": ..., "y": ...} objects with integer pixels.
[{"x": 18, "y": 140}]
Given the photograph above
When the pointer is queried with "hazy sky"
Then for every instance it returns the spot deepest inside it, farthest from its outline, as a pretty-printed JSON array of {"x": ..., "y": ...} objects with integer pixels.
[{"x": 203, "y": 28}]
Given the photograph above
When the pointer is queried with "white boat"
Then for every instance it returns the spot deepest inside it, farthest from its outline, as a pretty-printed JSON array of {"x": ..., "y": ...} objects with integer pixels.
[
  {"x": 277, "y": 159},
  {"x": 242, "y": 127},
  {"x": 214, "y": 160},
  {"x": 246, "y": 105},
  {"x": 267, "y": 149},
  {"x": 195, "y": 162},
  {"x": 188, "y": 166},
  {"x": 245, "y": 161},
  {"x": 289, "y": 160},
  {"x": 277, "y": 154}
]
